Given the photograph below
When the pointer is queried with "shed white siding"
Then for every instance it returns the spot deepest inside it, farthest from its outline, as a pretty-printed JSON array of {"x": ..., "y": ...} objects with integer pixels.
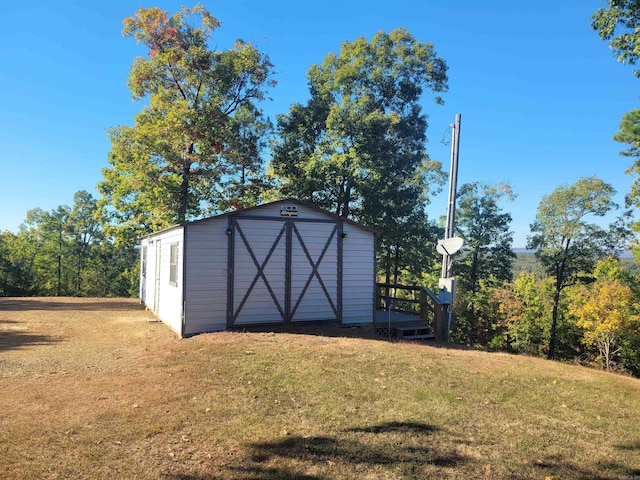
[
  {"x": 144, "y": 270},
  {"x": 149, "y": 273},
  {"x": 162, "y": 294},
  {"x": 281, "y": 262},
  {"x": 358, "y": 275},
  {"x": 206, "y": 276},
  {"x": 170, "y": 304}
]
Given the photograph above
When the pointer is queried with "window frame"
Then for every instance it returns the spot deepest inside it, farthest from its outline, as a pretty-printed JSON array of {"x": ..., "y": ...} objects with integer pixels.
[
  {"x": 143, "y": 261},
  {"x": 173, "y": 264}
]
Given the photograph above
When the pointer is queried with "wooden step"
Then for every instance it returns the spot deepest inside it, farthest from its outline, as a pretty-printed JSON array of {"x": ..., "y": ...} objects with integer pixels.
[
  {"x": 414, "y": 332},
  {"x": 426, "y": 336}
]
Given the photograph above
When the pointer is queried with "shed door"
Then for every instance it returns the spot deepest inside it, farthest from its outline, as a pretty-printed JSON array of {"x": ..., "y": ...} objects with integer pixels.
[
  {"x": 283, "y": 270},
  {"x": 314, "y": 271},
  {"x": 156, "y": 291}
]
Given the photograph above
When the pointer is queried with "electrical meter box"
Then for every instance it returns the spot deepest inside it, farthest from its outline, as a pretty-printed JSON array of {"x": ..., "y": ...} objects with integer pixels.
[{"x": 447, "y": 290}]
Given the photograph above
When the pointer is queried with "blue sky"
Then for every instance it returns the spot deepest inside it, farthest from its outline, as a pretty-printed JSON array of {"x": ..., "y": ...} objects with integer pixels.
[{"x": 540, "y": 94}]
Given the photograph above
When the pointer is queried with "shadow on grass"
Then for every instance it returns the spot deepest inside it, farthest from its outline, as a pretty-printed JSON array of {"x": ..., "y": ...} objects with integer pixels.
[
  {"x": 335, "y": 330},
  {"x": 248, "y": 473},
  {"x": 14, "y": 339},
  {"x": 560, "y": 467},
  {"x": 629, "y": 446},
  {"x": 65, "y": 303},
  {"x": 316, "y": 329},
  {"x": 398, "y": 447},
  {"x": 415, "y": 428},
  {"x": 391, "y": 449}
]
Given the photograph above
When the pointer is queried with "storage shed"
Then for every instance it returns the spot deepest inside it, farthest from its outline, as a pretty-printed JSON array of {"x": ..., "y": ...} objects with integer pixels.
[{"x": 282, "y": 262}]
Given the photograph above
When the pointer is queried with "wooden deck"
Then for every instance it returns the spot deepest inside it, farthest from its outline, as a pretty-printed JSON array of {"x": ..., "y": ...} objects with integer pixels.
[
  {"x": 412, "y": 314},
  {"x": 382, "y": 316}
]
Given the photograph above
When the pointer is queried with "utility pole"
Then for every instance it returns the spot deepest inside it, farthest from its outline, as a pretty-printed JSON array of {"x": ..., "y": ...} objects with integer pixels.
[
  {"x": 447, "y": 284},
  {"x": 451, "y": 200}
]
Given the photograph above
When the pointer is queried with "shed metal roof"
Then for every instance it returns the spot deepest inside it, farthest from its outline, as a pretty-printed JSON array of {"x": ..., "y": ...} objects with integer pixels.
[{"x": 242, "y": 211}]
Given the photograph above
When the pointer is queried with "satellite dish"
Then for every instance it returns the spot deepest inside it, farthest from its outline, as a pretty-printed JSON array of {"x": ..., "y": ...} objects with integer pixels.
[{"x": 449, "y": 246}]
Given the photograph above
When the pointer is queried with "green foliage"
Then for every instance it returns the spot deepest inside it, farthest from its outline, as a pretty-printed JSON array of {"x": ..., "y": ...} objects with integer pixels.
[
  {"x": 629, "y": 349},
  {"x": 631, "y": 266},
  {"x": 528, "y": 313},
  {"x": 628, "y": 336},
  {"x": 629, "y": 134},
  {"x": 565, "y": 242},
  {"x": 527, "y": 262},
  {"x": 357, "y": 146},
  {"x": 597, "y": 317},
  {"x": 18, "y": 257},
  {"x": 486, "y": 257},
  {"x": 198, "y": 132},
  {"x": 610, "y": 268},
  {"x": 619, "y": 23},
  {"x": 475, "y": 321},
  {"x": 65, "y": 252}
]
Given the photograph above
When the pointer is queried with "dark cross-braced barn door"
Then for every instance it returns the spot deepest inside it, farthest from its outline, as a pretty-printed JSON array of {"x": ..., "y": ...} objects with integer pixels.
[
  {"x": 314, "y": 271},
  {"x": 283, "y": 270}
]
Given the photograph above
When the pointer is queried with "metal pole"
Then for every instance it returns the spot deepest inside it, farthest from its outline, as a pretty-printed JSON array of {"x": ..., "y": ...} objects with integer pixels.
[
  {"x": 447, "y": 282},
  {"x": 453, "y": 186}
]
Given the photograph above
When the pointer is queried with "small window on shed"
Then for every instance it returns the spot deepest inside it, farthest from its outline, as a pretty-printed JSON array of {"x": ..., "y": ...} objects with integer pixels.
[
  {"x": 143, "y": 262},
  {"x": 173, "y": 265}
]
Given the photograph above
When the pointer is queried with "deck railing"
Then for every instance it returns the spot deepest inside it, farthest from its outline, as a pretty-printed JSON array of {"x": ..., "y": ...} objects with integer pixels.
[{"x": 409, "y": 299}]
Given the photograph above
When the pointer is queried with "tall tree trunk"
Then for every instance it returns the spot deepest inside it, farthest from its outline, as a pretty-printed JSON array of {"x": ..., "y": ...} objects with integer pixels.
[
  {"x": 184, "y": 192},
  {"x": 79, "y": 275},
  {"x": 346, "y": 200},
  {"x": 59, "y": 260},
  {"x": 396, "y": 264},
  {"x": 554, "y": 322},
  {"x": 560, "y": 272},
  {"x": 387, "y": 269},
  {"x": 608, "y": 349}
]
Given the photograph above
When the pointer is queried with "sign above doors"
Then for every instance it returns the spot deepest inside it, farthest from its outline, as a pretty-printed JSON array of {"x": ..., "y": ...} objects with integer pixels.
[{"x": 288, "y": 211}]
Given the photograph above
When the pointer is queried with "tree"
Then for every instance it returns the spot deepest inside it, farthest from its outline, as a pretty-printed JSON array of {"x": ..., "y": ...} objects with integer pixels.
[
  {"x": 486, "y": 256},
  {"x": 170, "y": 165},
  {"x": 246, "y": 180},
  {"x": 84, "y": 231},
  {"x": 605, "y": 311},
  {"x": 565, "y": 242},
  {"x": 628, "y": 338},
  {"x": 49, "y": 246},
  {"x": 620, "y": 25},
  {"x": 630, "y": 135},
  {"x": 16, "y": 261},
  {"x": 65, "y": 252},
  {"x": 19, "y": 252},
  {"x": 357, "y": 147},
  {"x": 524, "y": 307}
]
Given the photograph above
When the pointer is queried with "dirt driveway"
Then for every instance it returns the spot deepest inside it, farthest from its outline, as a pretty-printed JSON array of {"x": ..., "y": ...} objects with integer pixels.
[
  {"x": 70, "y": 376},
  {"x": 74, "y": 334}
]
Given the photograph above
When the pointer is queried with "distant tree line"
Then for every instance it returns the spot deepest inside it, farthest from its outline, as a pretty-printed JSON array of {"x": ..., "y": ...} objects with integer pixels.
[
  {"x": 571, "y": 299},
  {"x": 66, "y": 252},
  {"x": 356, "y": 147}
]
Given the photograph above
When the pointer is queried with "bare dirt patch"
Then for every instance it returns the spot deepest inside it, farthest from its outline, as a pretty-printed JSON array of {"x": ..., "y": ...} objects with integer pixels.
[
  {"x": 93, "y": 388},
  {"x": 56, "y": 335}
]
